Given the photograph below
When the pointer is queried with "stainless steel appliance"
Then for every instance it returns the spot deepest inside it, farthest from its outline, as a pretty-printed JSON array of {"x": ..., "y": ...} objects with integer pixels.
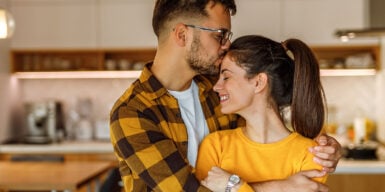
[{"x": 44, "y": 122}]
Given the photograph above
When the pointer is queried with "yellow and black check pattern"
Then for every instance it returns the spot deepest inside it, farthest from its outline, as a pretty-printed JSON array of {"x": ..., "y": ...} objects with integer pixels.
[{"x": 150, "y": 138}]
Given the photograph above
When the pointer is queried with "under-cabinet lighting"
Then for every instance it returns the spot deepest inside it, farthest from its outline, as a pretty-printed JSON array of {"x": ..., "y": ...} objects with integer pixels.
[
  {"x": 77, "y": 75},
  {"x": 348, "y": 72}
]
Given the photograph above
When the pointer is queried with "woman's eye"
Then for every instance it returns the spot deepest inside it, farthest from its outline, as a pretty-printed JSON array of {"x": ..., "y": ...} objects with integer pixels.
[{"x": 225, "y": 78}]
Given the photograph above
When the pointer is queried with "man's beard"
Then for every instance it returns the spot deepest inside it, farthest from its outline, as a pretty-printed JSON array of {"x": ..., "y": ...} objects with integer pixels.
[{"x": 200, "y": 64}]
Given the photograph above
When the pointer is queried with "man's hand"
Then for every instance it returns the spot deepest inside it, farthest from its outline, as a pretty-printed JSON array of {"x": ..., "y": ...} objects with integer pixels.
[
  {"x": 327, "y": 153},
  {"x": 216, "y": 179},
  {"x": 300, "y": 182}
]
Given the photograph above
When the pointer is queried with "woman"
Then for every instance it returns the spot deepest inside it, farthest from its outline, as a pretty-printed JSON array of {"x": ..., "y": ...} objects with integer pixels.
[{"x": 259, "y": 78}]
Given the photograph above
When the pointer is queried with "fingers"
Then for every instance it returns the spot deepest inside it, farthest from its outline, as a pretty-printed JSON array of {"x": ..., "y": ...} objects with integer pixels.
[
  {"x": 329, "y": 169},
  {"x": 327, "y": 154},
  {"x": 322, "y": 140},
  {"x": 322, "y": 187},
  {"x": 204, "y": 182},
  {"x": 324, "y": 152},
  {"x": 312, "y": 173}
]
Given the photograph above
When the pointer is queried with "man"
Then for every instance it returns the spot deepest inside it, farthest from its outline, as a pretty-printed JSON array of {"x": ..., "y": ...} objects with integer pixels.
[{"x": 157, "y": 124}]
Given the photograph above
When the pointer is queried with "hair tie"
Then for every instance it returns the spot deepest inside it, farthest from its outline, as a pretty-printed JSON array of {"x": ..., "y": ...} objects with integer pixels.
[{"x": 288, "y": 52}]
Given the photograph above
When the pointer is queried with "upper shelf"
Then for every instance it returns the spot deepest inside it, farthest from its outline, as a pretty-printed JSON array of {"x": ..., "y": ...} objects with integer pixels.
[{"x": 127, "y": 63}]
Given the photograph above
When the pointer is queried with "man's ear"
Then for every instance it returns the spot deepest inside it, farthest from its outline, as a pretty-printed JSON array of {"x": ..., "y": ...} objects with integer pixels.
[{"x": 180, "y": 34}]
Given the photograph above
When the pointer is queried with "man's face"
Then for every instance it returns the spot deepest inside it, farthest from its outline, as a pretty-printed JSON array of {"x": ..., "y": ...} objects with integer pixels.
[{"x": 206, "y": 51}]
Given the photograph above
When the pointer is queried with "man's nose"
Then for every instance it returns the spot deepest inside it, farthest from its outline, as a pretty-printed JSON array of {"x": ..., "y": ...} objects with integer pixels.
[{"x": 226, "y": 46}]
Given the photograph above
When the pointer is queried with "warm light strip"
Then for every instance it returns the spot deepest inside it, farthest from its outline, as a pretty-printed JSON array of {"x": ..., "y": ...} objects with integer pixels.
[
  {"x": 77, "y": 75},
  {"x": 348, "y": 72},
  {"x": 3, "y": 24}
]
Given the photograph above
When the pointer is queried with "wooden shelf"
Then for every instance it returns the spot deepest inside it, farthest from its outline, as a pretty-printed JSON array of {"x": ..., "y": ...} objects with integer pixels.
[
  {"x": 80, "y": 60},
  {"x": 127, "y": 63},
  {"x": 348, "y": 57}
]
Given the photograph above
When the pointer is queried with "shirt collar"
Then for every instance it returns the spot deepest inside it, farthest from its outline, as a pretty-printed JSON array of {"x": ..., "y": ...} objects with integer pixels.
[{"x": 154, "y": 89}]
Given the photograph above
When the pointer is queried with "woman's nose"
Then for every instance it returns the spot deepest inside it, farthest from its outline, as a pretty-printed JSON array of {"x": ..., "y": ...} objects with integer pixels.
[{"x": 217, "y": 87}]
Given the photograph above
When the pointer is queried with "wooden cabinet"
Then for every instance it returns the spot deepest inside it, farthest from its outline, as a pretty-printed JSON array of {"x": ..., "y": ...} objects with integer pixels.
[
  {"x": 80, "y": 60},
  {"x": 356, "y": 182}
]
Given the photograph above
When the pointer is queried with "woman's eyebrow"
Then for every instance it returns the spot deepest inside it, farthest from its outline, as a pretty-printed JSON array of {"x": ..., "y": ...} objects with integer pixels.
[{"x": 224, "y": 70}]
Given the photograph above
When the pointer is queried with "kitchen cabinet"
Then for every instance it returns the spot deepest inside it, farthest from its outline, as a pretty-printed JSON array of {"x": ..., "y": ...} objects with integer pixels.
[
  {"x": 358, "y": 176},
  {"x": 315, "y": 21},
  {"x": 125, "y": 23},
  {"x": 258, "y": 17},
  {"x": 55, "y": 24},
  {"x": 120, "y": 23},
  {"x": 356, "y": 182},
  {"x": 60, "y": 24}
]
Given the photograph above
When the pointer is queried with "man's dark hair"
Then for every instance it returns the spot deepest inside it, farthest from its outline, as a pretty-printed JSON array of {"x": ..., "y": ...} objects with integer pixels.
[{"x": 168, "y": 10}]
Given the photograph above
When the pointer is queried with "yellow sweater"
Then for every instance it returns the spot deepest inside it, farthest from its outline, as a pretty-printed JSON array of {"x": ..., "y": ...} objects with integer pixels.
[{"x": 255, "y": 162}]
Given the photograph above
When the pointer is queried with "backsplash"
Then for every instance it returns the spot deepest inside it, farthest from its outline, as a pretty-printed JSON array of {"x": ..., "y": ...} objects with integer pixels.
[
  {"x": 102, "y": 92},
  {"x": 349, "y": 95}
]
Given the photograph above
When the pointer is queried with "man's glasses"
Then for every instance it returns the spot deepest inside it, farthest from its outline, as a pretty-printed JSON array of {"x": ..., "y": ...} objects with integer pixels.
[{"x": 225, "y": 34}]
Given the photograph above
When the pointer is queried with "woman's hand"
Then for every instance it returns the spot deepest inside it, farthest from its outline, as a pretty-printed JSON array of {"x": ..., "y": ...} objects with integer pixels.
[{"x": 327, "y": 153}]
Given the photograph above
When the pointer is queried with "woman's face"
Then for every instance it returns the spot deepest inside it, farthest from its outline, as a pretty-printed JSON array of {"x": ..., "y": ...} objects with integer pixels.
[{"x": 236, "y": 92}]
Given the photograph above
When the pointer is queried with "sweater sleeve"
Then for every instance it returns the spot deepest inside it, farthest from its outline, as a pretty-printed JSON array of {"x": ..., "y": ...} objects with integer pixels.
[
  {"x": 309, "y": 164},
  {"x": 208, "y": 155}
]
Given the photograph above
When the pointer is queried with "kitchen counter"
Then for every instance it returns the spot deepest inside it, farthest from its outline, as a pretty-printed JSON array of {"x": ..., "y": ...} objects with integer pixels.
[
  {"x": 360, "y": 167},
  {"x": 101, "y": 147},
  {"x": 73, "y": 147}
]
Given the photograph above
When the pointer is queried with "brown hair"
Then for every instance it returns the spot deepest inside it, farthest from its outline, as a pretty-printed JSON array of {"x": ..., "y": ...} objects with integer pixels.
[
  {"x": 169, "y": 10},
  {"x": 295, "y": 83}
]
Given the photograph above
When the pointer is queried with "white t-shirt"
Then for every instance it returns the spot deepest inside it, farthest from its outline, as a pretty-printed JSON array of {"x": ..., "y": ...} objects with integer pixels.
[{"x": 193, "y": 118}]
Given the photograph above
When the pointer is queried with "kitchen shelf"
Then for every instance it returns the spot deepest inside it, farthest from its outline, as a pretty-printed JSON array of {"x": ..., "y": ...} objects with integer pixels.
[
  {"x": 80, "y": 60},
  {"x": 127, "y": 63},
  {"x": 350, "y": 57}
]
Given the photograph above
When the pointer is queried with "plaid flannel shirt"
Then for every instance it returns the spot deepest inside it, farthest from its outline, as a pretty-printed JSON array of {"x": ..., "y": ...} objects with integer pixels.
[{"x": 150, "y": 138}]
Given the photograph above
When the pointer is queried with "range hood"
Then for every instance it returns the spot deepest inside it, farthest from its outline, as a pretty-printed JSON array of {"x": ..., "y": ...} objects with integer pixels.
[{"x": 376, "y": 16}]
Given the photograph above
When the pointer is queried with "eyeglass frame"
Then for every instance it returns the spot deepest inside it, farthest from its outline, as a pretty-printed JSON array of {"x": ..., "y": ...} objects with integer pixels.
[{"x": 225, "y": 33}]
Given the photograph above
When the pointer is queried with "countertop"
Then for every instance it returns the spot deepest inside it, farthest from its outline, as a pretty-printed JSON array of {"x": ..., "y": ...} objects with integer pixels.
[
  {"x": 345, "y": 166},
  {"x": 58, "y": 148},
  {"x": 360, "y": 167}
]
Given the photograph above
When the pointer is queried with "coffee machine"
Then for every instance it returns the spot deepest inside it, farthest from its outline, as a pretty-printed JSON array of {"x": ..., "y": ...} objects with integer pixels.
[{"x": 44, "y": 122}]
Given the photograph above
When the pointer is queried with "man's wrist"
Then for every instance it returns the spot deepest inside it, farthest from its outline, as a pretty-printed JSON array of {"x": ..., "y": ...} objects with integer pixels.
[{"x": 233, "y": 181}]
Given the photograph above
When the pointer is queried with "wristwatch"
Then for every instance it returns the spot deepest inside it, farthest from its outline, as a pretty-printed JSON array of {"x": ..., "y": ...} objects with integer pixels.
[{"x": 233, "y": 180}]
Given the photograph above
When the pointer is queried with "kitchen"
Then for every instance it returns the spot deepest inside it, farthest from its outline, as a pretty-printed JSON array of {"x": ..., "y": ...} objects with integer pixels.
[{"x": 91, "y": 24}]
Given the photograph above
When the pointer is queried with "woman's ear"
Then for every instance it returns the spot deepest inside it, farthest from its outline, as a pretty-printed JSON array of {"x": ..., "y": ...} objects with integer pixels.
[
  {"x": 260, "y": 82},
  {"x": 180, "y": 34}
]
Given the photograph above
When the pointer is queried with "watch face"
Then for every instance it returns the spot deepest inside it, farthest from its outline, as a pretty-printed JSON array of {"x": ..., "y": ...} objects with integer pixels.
[{"x": 234, "y": 179}]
